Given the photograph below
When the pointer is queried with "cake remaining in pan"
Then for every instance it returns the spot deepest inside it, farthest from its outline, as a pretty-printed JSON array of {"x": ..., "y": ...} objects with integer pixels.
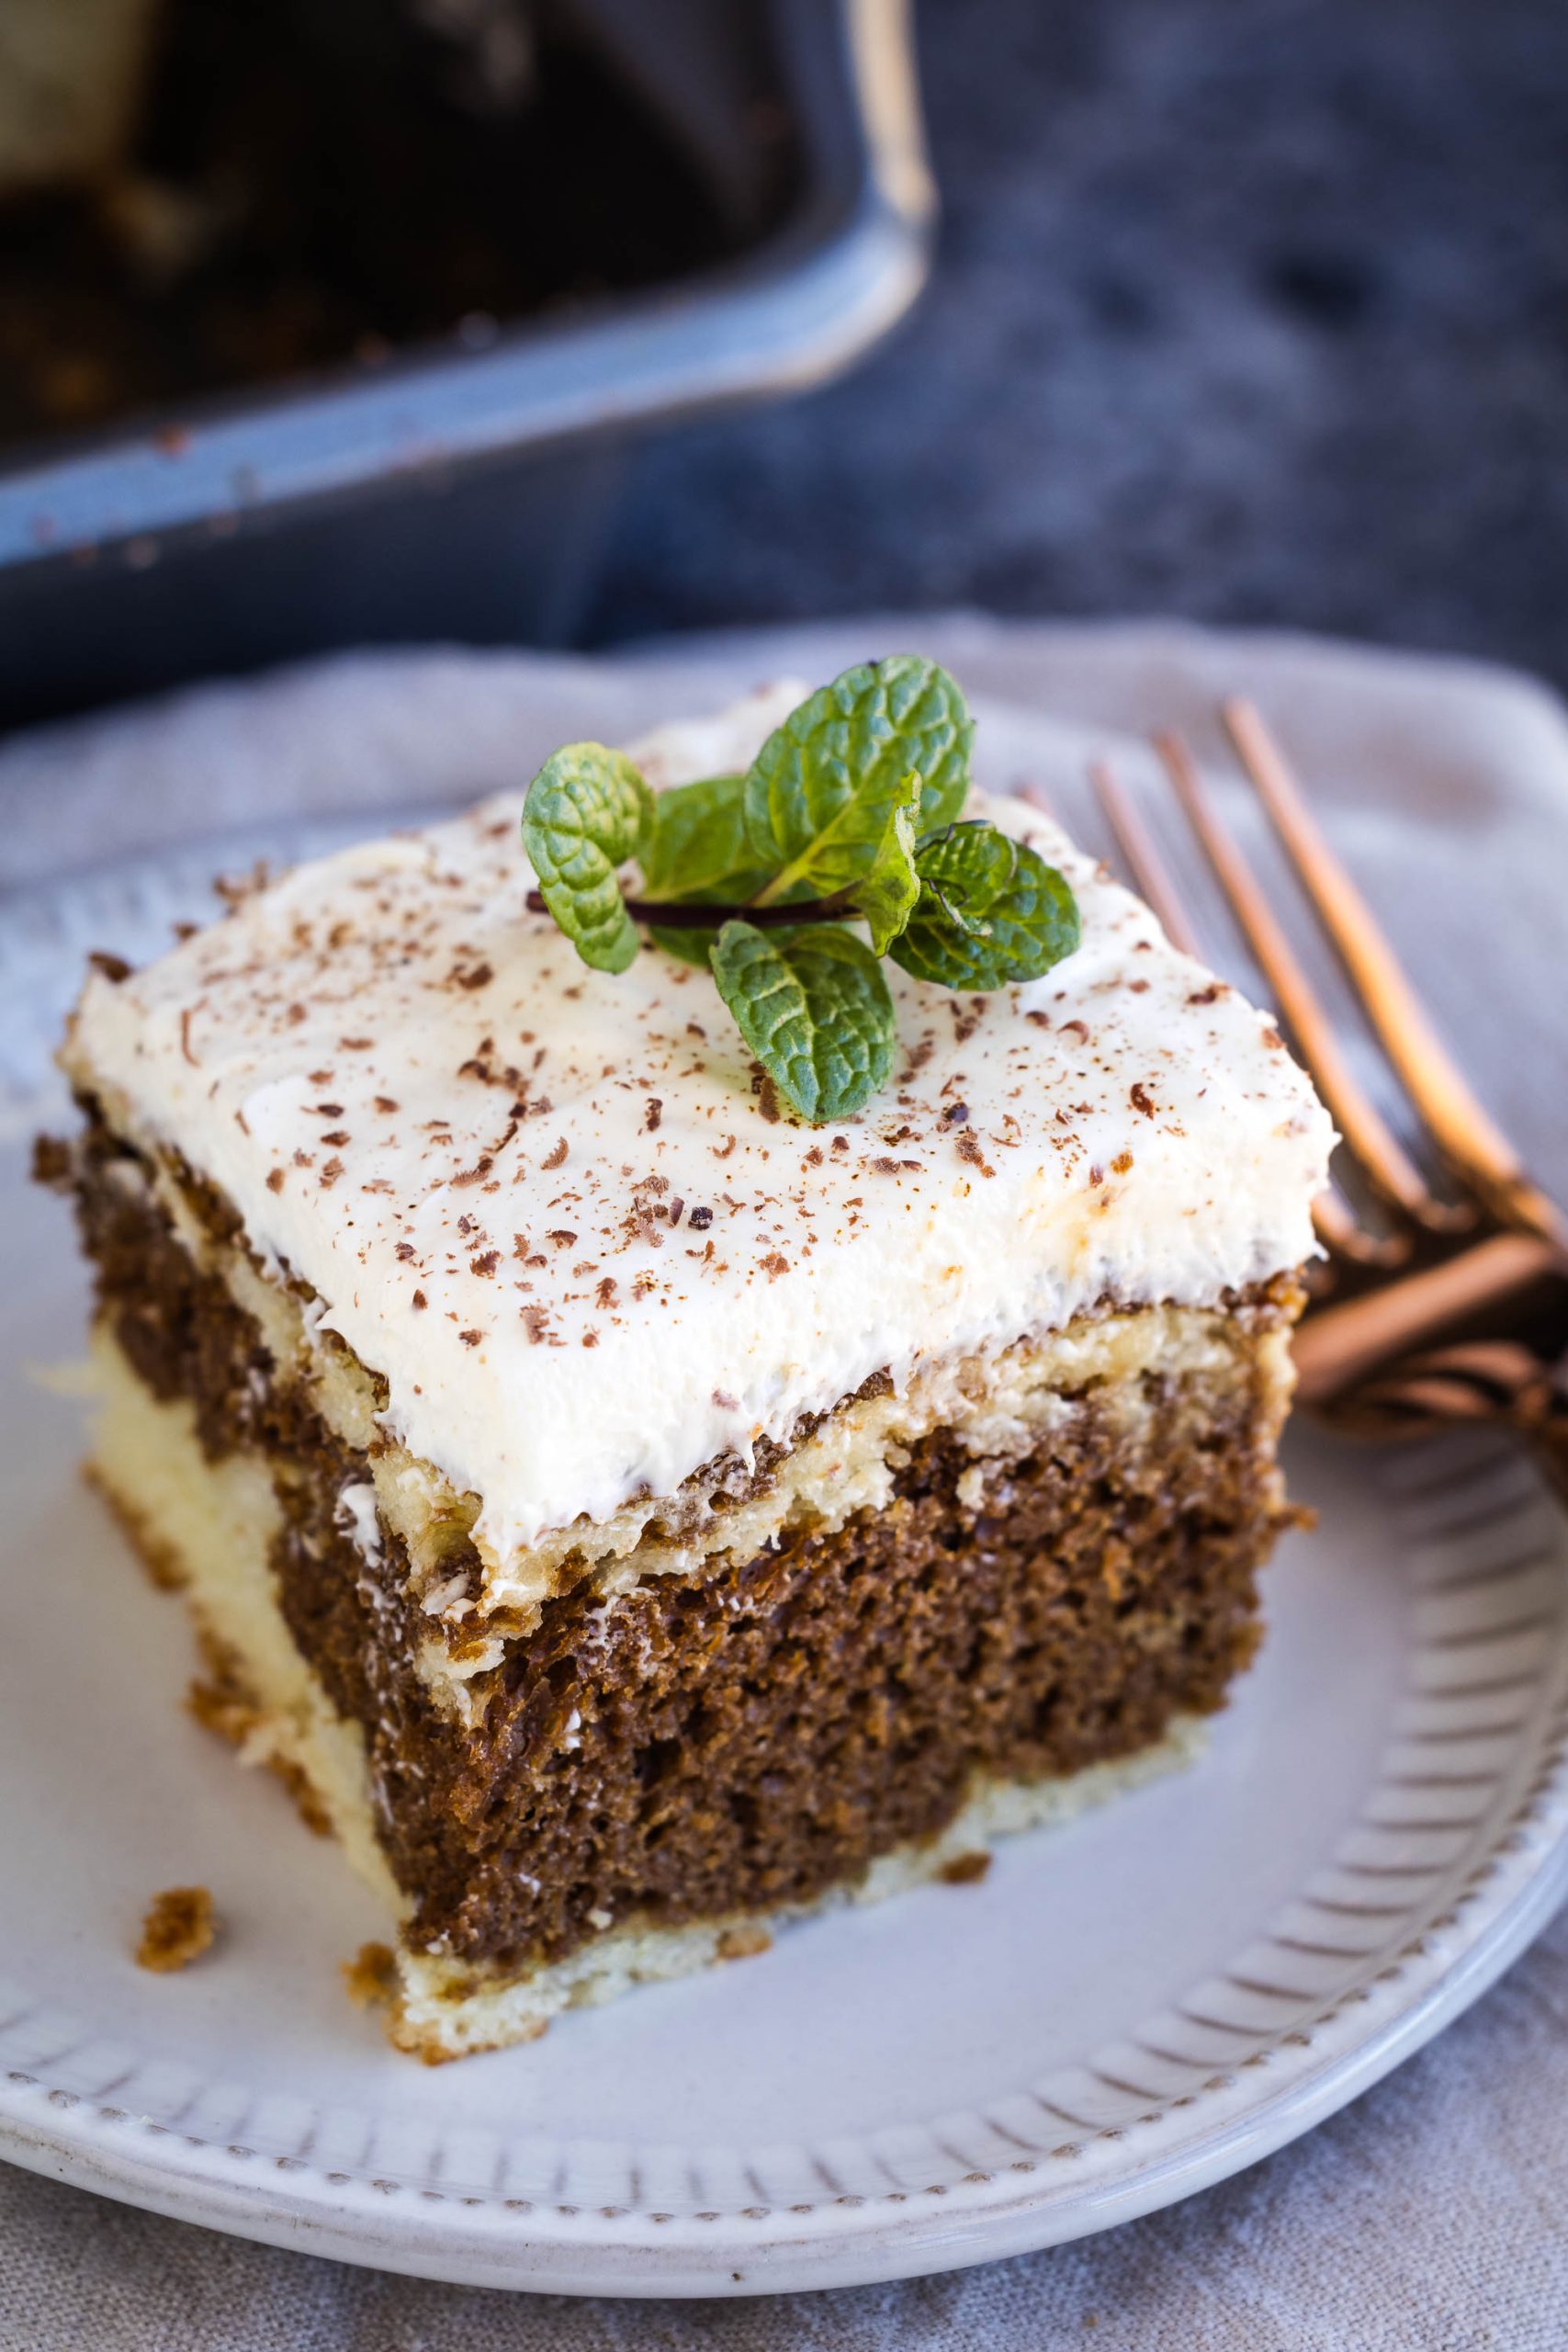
[{"x": 629, "y": 1516}]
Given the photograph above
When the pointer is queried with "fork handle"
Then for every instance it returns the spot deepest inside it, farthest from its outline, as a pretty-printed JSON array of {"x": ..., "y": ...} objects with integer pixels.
[{"x": 1497, "y": 1383}]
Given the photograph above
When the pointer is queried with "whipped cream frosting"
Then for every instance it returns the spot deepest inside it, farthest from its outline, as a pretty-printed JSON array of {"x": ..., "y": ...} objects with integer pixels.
[{"x": 562, "y": 1214}]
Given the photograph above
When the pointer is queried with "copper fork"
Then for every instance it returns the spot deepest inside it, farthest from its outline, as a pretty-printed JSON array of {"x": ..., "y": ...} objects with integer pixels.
[{"x": 1429, "y": 1308}]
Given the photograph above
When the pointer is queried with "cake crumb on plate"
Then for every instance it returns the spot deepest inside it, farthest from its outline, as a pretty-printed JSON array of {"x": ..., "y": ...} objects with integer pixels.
[
  {"x": 370, "y": 1975},
  {"x": 181, "y": 1923}
]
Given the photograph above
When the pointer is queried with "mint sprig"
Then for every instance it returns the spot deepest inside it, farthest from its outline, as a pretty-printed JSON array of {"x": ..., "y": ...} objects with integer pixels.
[{"x": 850, "y": 814}]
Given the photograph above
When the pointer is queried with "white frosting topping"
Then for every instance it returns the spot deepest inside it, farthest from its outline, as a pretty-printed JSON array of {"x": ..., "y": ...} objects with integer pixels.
[{"x": 556, "y": 1210}]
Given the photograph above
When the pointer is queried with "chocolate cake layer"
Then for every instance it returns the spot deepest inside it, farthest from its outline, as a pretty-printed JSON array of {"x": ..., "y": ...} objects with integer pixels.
[{"x": 748, "y": 1739}]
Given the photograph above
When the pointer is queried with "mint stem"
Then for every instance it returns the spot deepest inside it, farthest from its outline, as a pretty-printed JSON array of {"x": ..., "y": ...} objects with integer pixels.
[{"x": 686, "y": 914}]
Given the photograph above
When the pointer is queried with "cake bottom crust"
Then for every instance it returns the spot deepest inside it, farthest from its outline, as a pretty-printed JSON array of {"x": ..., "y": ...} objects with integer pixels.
[{"x": 208, "y": 1527}]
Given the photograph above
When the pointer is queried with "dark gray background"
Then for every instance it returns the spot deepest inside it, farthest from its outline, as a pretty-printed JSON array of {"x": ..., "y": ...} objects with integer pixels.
[{"x": 1254, "y": 310}]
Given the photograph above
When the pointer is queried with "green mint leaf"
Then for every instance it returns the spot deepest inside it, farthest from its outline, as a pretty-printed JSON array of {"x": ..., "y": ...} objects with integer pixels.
[
  {"x": 886, "y": 898},
  {"x": 698, "y": 838},
  {"x": 857, "y": 740},
  {"x": 588, "y": 810},
  {"x": 697, "y": 851},
  {"x": 858, "y": 837},
  {"x": 815, "y": 1009},
  {"x": 990, "y": 910}
]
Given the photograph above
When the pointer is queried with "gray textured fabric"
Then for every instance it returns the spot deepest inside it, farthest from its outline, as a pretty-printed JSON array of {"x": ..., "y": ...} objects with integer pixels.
[{"x": 1432, "y": 2214}]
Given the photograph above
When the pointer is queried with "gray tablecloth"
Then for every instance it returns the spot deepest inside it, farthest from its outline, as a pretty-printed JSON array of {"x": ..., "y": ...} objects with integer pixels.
[{"x": 1432, "y": 2214}]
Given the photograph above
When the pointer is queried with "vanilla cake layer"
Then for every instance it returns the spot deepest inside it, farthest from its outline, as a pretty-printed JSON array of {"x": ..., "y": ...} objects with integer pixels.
[{"x": 631, "y": 1518}]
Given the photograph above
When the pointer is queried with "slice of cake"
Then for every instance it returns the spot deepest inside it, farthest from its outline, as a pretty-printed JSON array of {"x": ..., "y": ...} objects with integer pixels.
[{"x": 628, "y": 1514}]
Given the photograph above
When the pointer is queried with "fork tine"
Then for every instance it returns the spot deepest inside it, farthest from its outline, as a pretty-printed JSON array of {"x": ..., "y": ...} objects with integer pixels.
[
  {"x": 1472, "y": 1144},
  {"x": 1341, "y": 1343},
  {"x": 1140, "y": 857},
  {"x": 1340, "y": 1234},
  {"x": 1366, "y": 1132},
  {"x": 1337, "y": 1227}
]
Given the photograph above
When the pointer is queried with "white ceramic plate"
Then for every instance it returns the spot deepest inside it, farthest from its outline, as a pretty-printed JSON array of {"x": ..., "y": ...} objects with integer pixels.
[{"x": 1125, "y": 2009}]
